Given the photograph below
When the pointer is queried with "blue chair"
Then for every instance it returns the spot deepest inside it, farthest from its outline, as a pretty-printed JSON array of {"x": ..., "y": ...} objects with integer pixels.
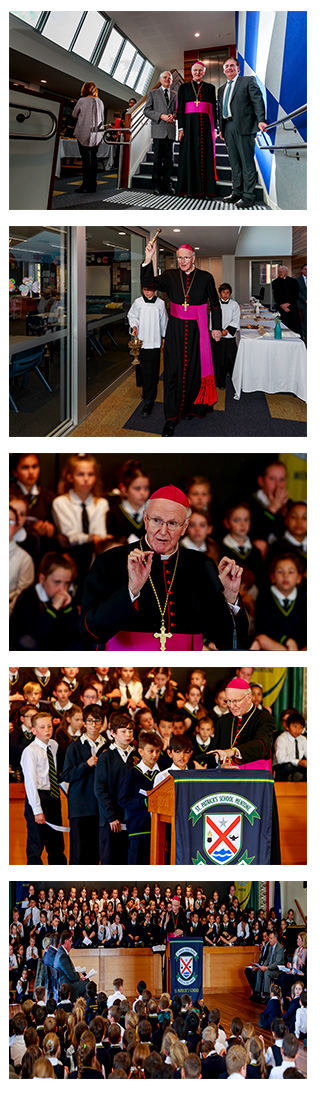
[{"x": 21, "y": 363}]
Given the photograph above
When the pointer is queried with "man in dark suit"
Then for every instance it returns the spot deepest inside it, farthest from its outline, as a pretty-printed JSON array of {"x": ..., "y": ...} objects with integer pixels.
[
  {"x": 286, "y": 292},
  {"x": 269, "y": 967},
  {"x": 65, "y": 967},
  {"x": 241, "y": 114},
  {"x": 302, "y": 300},
  {"x": 250, "y": 971},
  {"x": 160, "y": 108}
]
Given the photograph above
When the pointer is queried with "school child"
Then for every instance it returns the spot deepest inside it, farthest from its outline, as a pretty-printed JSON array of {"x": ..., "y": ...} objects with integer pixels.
[
  {"x": 71, "y": 676},
  {"x": 70, "y": 729},
  {"x": 42, "y": 804},
  {"x": 161, "y": 695},
  {"x": 130, "y": 686},
  {"x": 79, "y": 512},
  {"x": 267, "y": 505},
  {"x": 192, "y": 709},
  {"x": 165, "y": 729},
  {"x": 22, "y": 986},
  {"x": 21, "y": 567},
  {"x": 301, "y": 1018},
  {"x": 25, "y": 472},
  {"x": 21, "y": 735},
  {"x": 31, "y": 694},
  {"x": 237, "y": 522},
  {"x": 273, "y": 1007},
  {"x": 198, "y": 678},
  {"x": 125, "y": 518},
  {"x": 198, "y": 490},
  {"x": 135, "y": 785},
  {"x": 28, "y": 540},
  {"x": 290, "y": 751},
  {"x": 78, "y": 770},
  {"x": 46, "y": 679},
  {"x": 60, "y": 700},
  {"x": 289, "y": 1017},
  {"x": 198, "y": 536},
  {"x": 295, "y": 533},
  {"x": 203, "y": 740},
  {"x": 281, "y": 611},
  {"x": 180, "y": 753},
  {"x": 148, "y": 320},
  {"x": 111, "y": 765},
  {"x": 45, "y": 616}
]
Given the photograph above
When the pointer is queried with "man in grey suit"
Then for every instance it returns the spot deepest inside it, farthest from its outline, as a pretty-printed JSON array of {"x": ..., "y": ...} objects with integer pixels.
[
  {"x": 241, "y": 114},
  {"x": 302, "y": 300},
  {"x": 269, "y": 971},
  {"x": 66, "y": 970},
  {"x": 161, "y": 107}
]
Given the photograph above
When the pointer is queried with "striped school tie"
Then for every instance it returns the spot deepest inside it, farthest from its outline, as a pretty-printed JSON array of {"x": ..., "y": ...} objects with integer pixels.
[{"x": 54, "y": 786}]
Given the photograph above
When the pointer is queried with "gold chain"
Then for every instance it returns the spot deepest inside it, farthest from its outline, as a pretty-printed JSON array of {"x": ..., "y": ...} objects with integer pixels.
[
  {"x": 196, "y": 91},
  {"x": 186, "y": 291},
  {"x": 162, "y": 612},
  {"x": 234, "y": 739}
]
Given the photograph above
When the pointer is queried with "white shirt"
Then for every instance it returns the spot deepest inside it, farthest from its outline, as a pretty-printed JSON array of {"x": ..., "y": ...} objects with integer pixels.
[
  {"x": 135, "y": 688},
  {"x": 189, "y": 544},
  {"x": 230, "y": 314},
  {"x": 35, "y": 914},
  {"x": 293, "y": 541},
  {"x": 165, "y": 774},
  {"x": 233, "y": 83},
  {"x": 285, "y": 748},
  {"x": 35, "y": 766},
  {"x": 133, "y": 512},
  {"x": 232, "y": 543},
  {"x": 94, "y": 744},
  {"x": 301, "y": 1021},
  {"x": 21, "y": 572},
  {"x": 115, "y": 996},
  {"x": 67, "y": 516},
  {"x": 291, "y": 596},
  {"x": 277, "y": 1072},
  {"x": 151, "y": 319},
  {"x": 34, "y": 491}
]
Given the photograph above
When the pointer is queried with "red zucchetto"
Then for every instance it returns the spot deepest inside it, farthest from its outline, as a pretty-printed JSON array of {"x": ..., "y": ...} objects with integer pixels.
[{"x": 171, "y": 492}]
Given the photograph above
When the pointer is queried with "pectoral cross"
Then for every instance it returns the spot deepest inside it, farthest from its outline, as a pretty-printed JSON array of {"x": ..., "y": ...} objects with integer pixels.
[
  {"x": 185, "y": 305},
  {"x": 163, "y": 637}
]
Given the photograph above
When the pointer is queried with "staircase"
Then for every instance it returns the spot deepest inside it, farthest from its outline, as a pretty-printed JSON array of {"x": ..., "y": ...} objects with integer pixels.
[{"x": 142, "y": 179}]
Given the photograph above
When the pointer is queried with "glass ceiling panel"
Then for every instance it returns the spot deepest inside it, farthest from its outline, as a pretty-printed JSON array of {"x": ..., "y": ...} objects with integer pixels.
[
  {"x": 111, "y": 51},
  {"x": 124, "y": 61},
  {"x": 89, "y": 34},
  {"x": 30, "y": 17},
  {"x": 61, "y": 27}
]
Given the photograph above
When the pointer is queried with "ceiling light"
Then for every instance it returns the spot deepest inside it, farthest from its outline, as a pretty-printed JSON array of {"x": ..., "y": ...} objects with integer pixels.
[
  {"x": 197, "y": 248},
  {"x": 197, "y": 35},
  {"x": 176, "y": 230},
  {"x": 43, "y": 81},
  {"x": 122, "y": 234}
]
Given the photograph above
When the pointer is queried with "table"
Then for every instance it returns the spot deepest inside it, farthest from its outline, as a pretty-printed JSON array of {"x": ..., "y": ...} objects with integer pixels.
[
  {"x": 69, "y": 149},
  {"x": 268, "y": 365}
]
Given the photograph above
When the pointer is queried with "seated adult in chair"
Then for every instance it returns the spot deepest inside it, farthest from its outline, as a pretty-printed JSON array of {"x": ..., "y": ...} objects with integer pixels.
[
  {"x": 66, "y": 970},
  {"x": 269, "y": 970}
]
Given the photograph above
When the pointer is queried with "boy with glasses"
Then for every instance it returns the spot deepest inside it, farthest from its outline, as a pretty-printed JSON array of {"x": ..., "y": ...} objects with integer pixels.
[{"x": 78, "y": 770}]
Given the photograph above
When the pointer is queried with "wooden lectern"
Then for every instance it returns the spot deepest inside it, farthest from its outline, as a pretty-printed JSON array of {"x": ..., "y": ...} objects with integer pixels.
[{"x": 161, "y": 805}]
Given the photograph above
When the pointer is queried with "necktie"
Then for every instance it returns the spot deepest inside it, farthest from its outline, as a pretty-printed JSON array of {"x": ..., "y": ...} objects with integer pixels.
[
  {"x": 136, "y": 517},
  {"x": 128, "y": 695},
  {"x": 166, "y": 96},
  {"x": 286, "y": 604},
  {"x": 54, "y": 787},
  {"x": 296, "y": 747},
  {"x": 85, "y": 519},
  {"x": 226, "y": 99},
  {"x": 150, "y": 774}
]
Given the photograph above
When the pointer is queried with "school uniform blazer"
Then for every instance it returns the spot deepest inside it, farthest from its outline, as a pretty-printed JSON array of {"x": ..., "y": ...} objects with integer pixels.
[
  {"x": 82, "y": 801},
  {"x": 107, "y": 782},
  {"x": 246, "y": 105}
]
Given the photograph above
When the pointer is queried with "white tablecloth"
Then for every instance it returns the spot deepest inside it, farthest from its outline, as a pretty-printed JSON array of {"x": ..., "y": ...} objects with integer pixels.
[
  {"x": 270, "y": 366},
  {"x": 68, "y": 147}
]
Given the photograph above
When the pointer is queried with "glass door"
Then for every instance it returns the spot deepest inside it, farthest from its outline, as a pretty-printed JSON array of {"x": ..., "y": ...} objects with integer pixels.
[
  {"x": 113, "y": 259},
  {"x": 39, "y": 360}
]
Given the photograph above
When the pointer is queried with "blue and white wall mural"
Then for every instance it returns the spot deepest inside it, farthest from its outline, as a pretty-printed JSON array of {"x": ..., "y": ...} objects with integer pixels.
[{"x": 272, "y": 46}]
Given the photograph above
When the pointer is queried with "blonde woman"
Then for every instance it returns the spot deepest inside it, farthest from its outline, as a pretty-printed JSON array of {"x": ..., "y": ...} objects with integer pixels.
[{"x": 89, "y": 131}]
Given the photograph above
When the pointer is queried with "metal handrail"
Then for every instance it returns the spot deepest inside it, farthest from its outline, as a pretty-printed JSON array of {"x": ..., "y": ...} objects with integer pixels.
[
  {"x": 24, "y": 118},
  {"x": 287, "y": 117},
  {"x": 286, "y": 149}
]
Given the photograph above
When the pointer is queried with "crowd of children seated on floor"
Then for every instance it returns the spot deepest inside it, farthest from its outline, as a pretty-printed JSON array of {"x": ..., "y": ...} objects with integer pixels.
[
  {"x": 104, "y": 1033},
  {"x": 103, "y": 727},
  {"x": 55, "y": 537}
]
